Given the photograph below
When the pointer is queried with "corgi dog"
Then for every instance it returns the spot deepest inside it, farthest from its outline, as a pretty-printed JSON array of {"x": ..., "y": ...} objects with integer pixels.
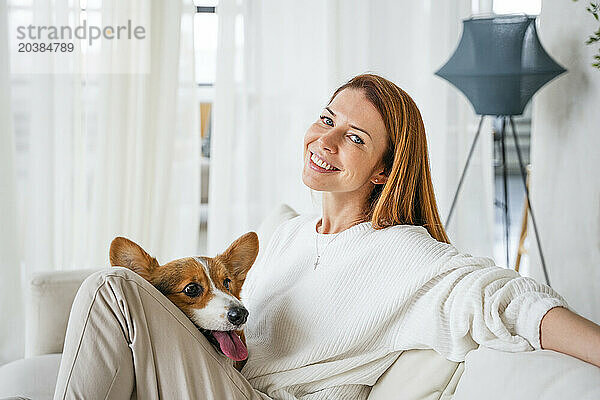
[{"x": 206, "y": 289}]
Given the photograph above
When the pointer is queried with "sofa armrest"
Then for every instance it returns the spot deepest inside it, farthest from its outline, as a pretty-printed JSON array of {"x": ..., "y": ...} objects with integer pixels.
[
  {"x": 540, "y": 374},
  {"x": 49, "y": 299}
]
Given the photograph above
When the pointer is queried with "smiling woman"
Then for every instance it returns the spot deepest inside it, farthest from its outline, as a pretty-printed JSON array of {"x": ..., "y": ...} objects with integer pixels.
[{"x": 385, "y": 279}]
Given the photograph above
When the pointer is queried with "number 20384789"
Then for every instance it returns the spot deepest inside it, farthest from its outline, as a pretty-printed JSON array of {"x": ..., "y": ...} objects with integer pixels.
[{"x": 52, "y": 47}]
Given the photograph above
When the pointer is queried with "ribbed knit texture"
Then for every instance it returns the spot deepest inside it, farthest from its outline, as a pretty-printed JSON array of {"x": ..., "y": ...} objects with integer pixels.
[{"x": 330, "y": 333}]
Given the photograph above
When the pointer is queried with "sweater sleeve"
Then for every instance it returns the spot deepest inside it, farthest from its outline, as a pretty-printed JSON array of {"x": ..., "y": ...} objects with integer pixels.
[{"x": 474, "y": 302}]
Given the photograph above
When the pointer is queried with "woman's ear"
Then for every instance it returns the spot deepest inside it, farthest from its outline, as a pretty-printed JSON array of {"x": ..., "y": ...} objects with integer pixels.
[{"x": 379, "y": 178}]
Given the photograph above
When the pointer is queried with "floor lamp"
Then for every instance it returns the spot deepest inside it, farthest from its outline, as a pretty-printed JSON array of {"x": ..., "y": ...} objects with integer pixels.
[{"x": 499, "y": 64}]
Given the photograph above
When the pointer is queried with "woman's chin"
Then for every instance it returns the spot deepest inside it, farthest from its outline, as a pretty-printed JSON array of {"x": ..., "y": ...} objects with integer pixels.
[{"x": 313, "y": 183}]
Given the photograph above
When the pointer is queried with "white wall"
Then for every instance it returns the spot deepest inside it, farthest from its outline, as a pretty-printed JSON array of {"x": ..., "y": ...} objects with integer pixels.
[{"x": 565, "y": 156}]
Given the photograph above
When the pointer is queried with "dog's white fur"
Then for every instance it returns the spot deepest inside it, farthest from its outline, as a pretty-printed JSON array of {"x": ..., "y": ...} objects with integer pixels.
[{"x": 214, "y": 315}]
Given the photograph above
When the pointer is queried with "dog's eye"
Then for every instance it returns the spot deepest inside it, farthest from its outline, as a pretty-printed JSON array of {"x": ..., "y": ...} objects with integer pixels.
[
  {"x": 226, "y": 283},
  {"x": 192, "y": 290}
]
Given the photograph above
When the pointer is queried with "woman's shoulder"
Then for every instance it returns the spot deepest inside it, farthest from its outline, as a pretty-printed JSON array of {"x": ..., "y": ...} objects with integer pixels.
[
  {"x": 407, "y": 233},
  {"x": 441, "y": 256},
  {"x": 412, "y": 241}
]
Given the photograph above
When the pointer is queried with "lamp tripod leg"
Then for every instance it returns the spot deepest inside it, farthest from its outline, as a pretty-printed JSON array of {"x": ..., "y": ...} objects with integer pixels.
[
  {"x": 524, "y": 179},
  {"x": 505, "y": 184},
  {"x": 462, "y": 176}
]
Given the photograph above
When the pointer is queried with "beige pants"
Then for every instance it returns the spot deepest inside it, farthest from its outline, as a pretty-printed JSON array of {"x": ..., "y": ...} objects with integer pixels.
[{"x": 126, "y": 340}]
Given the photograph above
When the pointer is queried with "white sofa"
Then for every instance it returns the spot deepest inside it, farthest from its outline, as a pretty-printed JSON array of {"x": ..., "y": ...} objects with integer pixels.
[{"x": 416, "y": 374}]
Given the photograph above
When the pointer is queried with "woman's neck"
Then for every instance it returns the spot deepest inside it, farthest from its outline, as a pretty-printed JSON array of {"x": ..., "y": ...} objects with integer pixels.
[{"x": 340, "y": 213}]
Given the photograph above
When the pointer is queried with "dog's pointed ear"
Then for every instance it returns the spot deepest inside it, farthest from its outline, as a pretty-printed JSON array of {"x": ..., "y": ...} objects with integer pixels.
[
  {"x": 125, "y": 253},
  {"x": 240, "y": 256}
]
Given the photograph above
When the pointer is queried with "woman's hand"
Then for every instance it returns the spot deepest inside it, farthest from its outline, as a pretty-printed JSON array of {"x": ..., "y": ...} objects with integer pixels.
[{"x": 569, "y": 333}]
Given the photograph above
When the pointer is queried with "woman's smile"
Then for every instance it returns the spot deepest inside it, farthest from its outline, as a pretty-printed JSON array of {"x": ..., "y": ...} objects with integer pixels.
[{"x": 319, "y": 164}]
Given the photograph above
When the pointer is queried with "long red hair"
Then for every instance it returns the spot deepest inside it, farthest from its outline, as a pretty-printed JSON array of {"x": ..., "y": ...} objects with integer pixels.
[{"x": 407, "y": 198}]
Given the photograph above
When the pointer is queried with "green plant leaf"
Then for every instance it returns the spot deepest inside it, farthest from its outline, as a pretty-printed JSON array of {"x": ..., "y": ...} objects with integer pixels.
[{"x": 594, "y": 9}]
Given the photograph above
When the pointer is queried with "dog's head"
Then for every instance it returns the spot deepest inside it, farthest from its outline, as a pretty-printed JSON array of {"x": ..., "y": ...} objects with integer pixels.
[{"x": 206, "y": 289}]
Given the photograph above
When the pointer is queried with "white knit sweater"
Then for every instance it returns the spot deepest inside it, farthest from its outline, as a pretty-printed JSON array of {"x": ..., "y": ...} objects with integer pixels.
[{"x": 330, "y": 332}]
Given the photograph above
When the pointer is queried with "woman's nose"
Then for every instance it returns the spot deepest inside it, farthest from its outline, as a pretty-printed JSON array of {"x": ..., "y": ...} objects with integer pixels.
[{"x": 330, "y": 139}]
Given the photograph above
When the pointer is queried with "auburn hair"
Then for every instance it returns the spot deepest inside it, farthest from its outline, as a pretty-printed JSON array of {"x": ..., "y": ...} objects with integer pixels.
[{"x": 407, "y": 197}]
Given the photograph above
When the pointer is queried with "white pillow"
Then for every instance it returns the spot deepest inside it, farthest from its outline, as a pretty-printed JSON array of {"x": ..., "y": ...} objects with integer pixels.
[
  {"x": 541, "y": 374},
  {"x": 281, "y": 213}
]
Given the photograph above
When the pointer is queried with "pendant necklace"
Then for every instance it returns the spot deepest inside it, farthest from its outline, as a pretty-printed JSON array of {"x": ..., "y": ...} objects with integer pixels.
[
  {"x": 328, "y": 243},
  {"x": 324, "y": 248}
]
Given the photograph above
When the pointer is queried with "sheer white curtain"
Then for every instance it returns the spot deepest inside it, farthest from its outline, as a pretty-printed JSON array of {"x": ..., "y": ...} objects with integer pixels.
[
  {"x": 278, "y": 63},
  {"x": 272, "y": 77},
  {"x": 147, "y": 187},
  {"x": 10, "y": 299},
  {"x": 100, "y": 155}
]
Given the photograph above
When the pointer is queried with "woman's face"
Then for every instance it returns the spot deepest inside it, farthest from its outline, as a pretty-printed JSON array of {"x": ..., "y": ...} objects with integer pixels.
[{"x": 344, "y": 148}]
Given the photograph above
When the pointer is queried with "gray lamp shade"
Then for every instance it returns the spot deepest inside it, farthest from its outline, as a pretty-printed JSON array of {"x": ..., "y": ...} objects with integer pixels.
[{"x": 499, "y": 64}]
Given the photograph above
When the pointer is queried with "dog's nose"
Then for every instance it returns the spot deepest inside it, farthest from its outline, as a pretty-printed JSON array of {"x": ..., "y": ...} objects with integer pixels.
[{"x": 237, "y": 315}]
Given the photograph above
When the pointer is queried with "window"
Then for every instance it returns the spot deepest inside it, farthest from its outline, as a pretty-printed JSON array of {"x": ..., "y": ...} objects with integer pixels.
[
  {"x": 205, "y": 59},
  {"x": 530, "y": 7},
  {"x": 205, "y": 42}
]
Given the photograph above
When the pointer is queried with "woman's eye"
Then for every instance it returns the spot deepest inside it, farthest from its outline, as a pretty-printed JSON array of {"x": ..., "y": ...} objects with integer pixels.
[
  {"x": 326, "y": 120},
  {"x": 226, "y": 283},
  {"x": 193, "y": 290},
  {"x": 356, "y": 139}
]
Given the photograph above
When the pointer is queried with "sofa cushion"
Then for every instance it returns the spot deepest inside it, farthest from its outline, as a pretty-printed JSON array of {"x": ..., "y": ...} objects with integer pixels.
[
  {"x": 33, "y": 378},
  {"x": 540, "y": 374},
  {"x": 418, "y": 375}
]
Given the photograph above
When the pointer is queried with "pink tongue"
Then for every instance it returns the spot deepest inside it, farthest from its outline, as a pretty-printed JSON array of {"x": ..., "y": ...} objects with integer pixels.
[{"x": 231, "y": 345}]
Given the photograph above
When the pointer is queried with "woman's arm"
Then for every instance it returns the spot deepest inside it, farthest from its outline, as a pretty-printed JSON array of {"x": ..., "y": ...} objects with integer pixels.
[{"x": 569, "y": 333}]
